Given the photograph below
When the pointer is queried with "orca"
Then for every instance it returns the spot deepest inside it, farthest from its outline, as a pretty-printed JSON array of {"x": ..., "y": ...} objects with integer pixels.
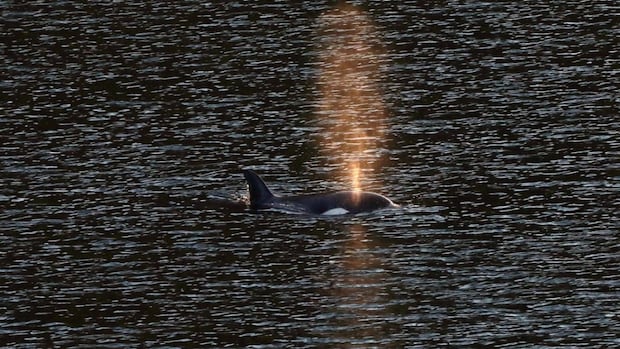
[{"x": 336, "y": 203}]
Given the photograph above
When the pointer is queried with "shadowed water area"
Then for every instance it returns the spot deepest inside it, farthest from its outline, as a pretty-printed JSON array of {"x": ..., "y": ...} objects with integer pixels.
[{"x": 124, "y": 126}]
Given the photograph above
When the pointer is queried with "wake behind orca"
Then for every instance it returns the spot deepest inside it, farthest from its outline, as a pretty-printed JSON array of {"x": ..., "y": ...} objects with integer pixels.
[{"x": 342, "y": 202}]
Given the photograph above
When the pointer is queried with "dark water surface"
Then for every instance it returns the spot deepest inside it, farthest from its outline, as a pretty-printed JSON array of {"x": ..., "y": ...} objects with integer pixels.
[{"x": 123, "y": 128}]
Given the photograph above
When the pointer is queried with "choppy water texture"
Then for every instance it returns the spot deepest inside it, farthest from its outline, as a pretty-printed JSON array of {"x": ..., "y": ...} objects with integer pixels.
[{"x": 123, "y": 127}]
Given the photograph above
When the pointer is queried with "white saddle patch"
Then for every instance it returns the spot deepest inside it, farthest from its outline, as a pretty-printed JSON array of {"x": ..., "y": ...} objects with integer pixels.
[{"x": 335, "y": 211}]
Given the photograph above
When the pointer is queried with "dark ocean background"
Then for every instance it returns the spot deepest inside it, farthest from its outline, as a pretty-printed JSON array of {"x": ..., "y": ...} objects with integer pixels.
[{"x": 124, "y": 127}]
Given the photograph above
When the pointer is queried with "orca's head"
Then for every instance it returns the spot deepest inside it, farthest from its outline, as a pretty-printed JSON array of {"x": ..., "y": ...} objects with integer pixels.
[{"x": 368, "y": 201}]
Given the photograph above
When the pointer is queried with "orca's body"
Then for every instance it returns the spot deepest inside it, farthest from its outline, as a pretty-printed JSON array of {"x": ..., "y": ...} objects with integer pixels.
[{"x": 341, "y": 202}]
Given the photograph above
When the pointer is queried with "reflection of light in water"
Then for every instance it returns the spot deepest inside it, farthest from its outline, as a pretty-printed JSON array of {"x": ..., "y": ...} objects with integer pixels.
[
  {"x": 355, "y": 176},
  {"x": 353, "y": 120},
  {"x": 355, "y": 180},
  {"x": 361, "y": 304},
  {"x": 350, "y": 109}
]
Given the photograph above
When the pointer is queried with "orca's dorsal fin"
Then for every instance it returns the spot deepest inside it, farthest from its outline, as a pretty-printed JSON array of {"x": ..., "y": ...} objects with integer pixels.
[{"x": 259, "y": 193}]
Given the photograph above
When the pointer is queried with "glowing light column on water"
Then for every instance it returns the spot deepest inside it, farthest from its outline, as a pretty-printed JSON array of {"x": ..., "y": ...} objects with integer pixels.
[
  {"x": 353, "y": 119},
  {"x": 350, "y": 109}
]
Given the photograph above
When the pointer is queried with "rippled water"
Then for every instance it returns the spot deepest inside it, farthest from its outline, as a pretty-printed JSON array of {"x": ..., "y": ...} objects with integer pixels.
[{"x": 124, "y": 127}]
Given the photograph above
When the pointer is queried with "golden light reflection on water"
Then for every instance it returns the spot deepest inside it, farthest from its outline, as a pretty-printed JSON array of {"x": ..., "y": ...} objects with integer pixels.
[
  {"x": 350, "y": 109},
  {"x": 352, "y": 117},
  {"x": 355, "y": 176},
  {"x": 362, "y": 304}
]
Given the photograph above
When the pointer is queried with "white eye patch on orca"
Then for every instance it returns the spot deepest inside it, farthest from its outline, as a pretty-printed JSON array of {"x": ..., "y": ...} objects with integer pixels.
[{"x": 335, "y": 212}]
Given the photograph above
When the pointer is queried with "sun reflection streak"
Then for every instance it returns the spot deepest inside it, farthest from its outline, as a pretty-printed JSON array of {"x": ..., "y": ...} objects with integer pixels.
[
  {"x": 350, "y": 109},
  {"x": 360, "y": 302},
  {"x": 352, "y": 118},
  {"x": 355, "y": 176}
]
